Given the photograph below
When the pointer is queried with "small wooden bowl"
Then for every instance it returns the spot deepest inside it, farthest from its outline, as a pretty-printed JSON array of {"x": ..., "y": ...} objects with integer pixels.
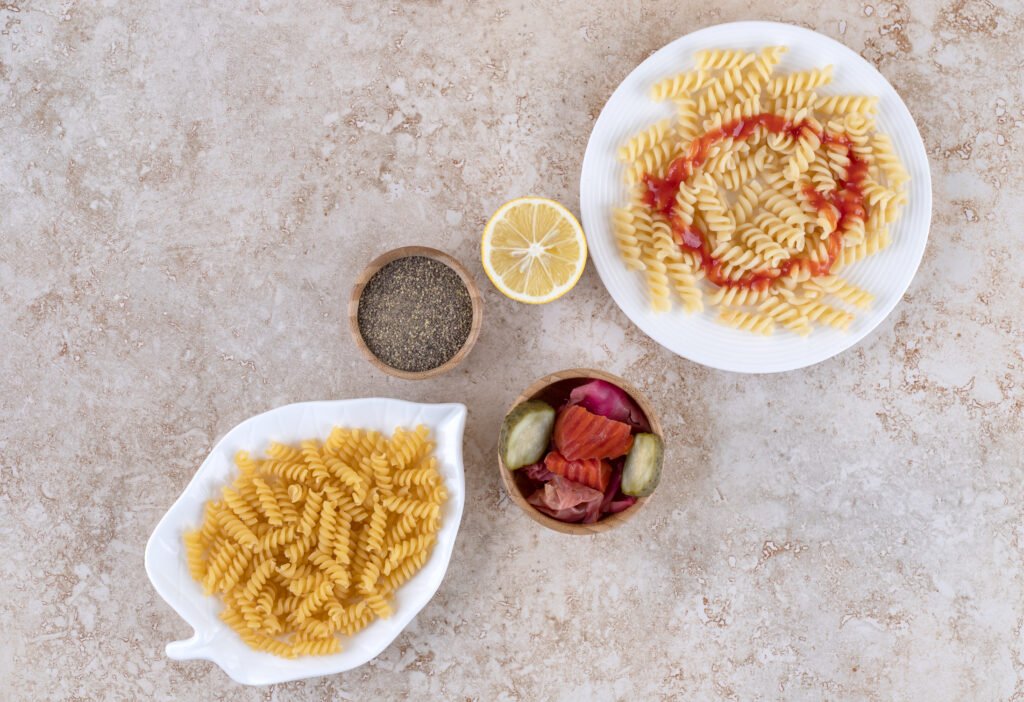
[
  {"x": 537, "y": 390},
  {"x": 404, "y": 252}
]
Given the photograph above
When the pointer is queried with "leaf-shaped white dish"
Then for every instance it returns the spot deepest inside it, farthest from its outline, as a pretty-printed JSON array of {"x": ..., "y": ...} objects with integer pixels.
[{"x": 214, "y": 640}]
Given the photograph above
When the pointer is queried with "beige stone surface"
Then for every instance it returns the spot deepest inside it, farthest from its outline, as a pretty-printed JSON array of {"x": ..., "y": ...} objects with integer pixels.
[{"x": 186, "y": 193}]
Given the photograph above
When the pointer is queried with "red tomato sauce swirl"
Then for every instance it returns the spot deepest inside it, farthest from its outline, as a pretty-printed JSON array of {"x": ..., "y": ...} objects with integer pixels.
[{"x": 846, "y": 201}]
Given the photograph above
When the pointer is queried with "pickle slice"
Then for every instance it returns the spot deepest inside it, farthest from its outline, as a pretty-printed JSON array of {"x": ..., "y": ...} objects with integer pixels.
[
  {"x": 526, "y": 433},
  {"x": 642, "y": 471}
]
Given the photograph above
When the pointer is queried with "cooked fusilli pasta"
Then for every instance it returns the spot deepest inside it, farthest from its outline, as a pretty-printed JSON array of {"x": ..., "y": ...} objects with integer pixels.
[{"x": 764, "y": 186}]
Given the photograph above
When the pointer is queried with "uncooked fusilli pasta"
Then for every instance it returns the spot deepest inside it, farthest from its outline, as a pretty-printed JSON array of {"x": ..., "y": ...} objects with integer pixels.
[{"x": 312, "y": 541}]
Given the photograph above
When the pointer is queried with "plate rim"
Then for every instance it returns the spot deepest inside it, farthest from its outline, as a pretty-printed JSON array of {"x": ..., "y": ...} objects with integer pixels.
[
  {"x": 451, "y": 411},
  {"x": 915, "y": 144}
]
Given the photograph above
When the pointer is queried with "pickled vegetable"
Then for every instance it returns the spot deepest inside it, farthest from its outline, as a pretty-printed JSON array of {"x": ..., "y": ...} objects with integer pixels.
[
  {"x": 642, "y": 470},
  {"x": 526, "y": 434}
]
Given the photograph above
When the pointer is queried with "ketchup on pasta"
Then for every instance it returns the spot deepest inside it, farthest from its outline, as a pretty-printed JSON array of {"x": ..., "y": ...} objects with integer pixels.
[{"x": 845, "y": 202}]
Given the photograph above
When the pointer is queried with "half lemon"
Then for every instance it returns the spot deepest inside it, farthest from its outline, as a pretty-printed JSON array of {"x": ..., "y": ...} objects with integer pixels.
[{"x": 533, "y": 250}]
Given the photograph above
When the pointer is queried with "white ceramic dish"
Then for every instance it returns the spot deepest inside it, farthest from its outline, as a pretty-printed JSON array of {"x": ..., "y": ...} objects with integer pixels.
[
  {"x": 698, "y": 337},
  {"x": 214, "y": 640}
]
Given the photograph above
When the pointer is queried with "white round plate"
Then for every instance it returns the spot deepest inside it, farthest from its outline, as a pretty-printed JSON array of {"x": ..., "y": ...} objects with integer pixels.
[
  {"x": 699, "y": 337},
  {"x": 213, "y": 639}
]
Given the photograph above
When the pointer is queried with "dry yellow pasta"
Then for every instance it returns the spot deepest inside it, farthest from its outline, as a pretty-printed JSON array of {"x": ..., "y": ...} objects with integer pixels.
[
  {"x": 763, "y": 186},
  {"x": 311, "y": 543}
]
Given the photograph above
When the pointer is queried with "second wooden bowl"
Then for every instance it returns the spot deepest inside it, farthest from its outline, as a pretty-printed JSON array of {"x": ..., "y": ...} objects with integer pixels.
[
  {"x": 404, "y": 252},
  {"x": 556, "y": 384}
]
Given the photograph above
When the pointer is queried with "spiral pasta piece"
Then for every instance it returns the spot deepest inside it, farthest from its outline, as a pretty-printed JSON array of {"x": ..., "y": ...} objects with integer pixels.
[
  {"x": 895, "y": 175},
  {"x": 747, "y": 321},
  {"x": 644, "y": 141},
  {"x": 742, "y": 173},
  {"x": 405, "y": 570},
  {"x": 678, "y": 85},
  {"x": 718, "y": 89},
  {"x": 781, "y": 143},
  {"x": 238, "y": 530},
  {"x": 233, "y": 570},
  {"x": 327, "y": 528},
  {"x": 834, "y": 285},
  {"x": 820, "y": 312},
  {"x": 803, "y": 156},
  {"x": 661, "y": 238},
  {"x": 877, "y": 197},
  {"x": 721, "y": 158},
  {"x": 317, "y": 647},
  {"x": 246, "y": 465},
  {"x": 656, "y": 275},
  {"x": 722, "y": 58},
  {"x": 404, "y": 525},
  {"x": 310, "y": 515},
  {"x": 268, "y": 503},
  {"x": 312, "y": 602},
  {"x": 274, "y": 539},
  {"x": 424, "y": 475},
  {"x": 403, "y": 549},
  {"x": 194, "y": 554},
  {"x": 296, "y": 557},
  {"x": 416, "y": 508},
  {"x": 626, "y": 238},
  {"x": 381, "y": 472},
  {"x": 258, "y": 578},
  {"x": 284, "y": 503},
  {"x": 784, "y": 208},
  {"x": 845, "y": 104},
  {"x": 717, "y": 217},
  {"x": 685, "y": 207},
  {"x": 799, "y": 81},
  {"x": 786, "y": 314},
  {"x": 347, "y": 475},
  {"x": 746, "y": 109},
  {"x": 853, "y": 231},
  {"x": 240, "y": 507},
  {"x": 337, "y": 572},
  {"x": 283, "y": 452},
  {"x": 779, "y": 231},
  {"x": 759, "y": 71},
  {"x": 856, "y": 127},
  {"x": 793, "y": 101},
  {"x": 370, "y": 572},
  {"x": 821, "y": 176},
  {"x": 339, "y": 444},
  {"x": 375, "y": 529},
  {"x": 290, "y": 471},
  {"x": 677, "y": 268},
  {"x": 737, "y": 296},
  {"x": 740, "y": 257},
  {"x": 680, "y": 273},
  {"x": 653, "y": 160},
  {"x": 762, "y": 245},
  {"x": 776, "y": 188},
  {"x": 687, "y": 120}
]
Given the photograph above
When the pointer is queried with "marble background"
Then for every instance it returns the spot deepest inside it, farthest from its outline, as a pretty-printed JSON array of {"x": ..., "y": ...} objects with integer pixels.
[{"x": 187, "y": 190}]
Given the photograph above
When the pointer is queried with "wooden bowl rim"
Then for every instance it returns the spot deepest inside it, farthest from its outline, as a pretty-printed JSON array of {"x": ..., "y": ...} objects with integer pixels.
[
  {"x": 509, "y": 482},
  {"x": 404, "y": 252}
]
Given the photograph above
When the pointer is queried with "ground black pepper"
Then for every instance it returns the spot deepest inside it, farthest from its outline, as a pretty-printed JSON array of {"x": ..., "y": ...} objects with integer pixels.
[{"x": 415, "y": 313}]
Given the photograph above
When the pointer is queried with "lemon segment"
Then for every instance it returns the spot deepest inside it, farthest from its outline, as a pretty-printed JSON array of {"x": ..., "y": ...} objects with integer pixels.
[{"x": 533, "y": 250}]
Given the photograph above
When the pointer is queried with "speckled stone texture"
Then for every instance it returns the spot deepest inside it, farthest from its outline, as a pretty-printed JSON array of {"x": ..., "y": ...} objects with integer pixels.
[{"x": 186, "y": 195}]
